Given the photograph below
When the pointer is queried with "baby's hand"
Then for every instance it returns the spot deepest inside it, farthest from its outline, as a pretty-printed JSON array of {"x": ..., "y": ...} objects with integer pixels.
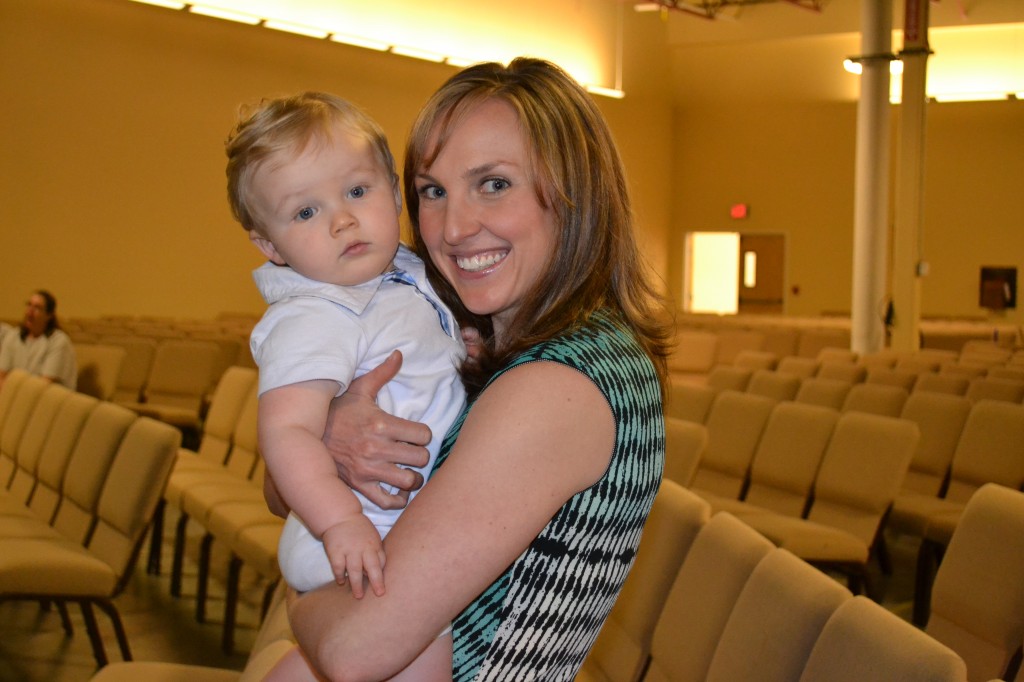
[{"x": 354, "y": 549}]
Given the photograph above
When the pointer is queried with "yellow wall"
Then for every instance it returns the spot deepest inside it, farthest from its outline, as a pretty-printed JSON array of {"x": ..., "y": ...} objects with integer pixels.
[
  {"x": 112, "y": 171},
  {"x": 112, "y": 186}
]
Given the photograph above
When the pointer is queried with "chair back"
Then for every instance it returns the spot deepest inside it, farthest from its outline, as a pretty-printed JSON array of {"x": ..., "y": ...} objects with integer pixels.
[
  {"x": 863, "y": 641},
  {"x": 734, "y": 427},
  {"x": 99, "y": 366},
  {"x": 861, "y": 472},
  {"x": 685, "y": 442},
  {"x": 782, "y": 609},
  {"x": 623, "y": 645},
  {"x": 942, "y": 383},
  {"x": 33, "y": 438},
  {"x": 773, "y": 385},
  {"x": 830, "y": 393},
  {"x": 689, "y": 401},
  {"x": 698, "y": 606},
  {"x": 990, "y": 450},
  {"x": 977, "y": 602},
  {"x": 940, "y": 418},
  {"x": 788, "y": 456},
  {"x": 876, "y": 399},
  {"x": 993, "y": 388},
  {"x": 56, "y": 453}
]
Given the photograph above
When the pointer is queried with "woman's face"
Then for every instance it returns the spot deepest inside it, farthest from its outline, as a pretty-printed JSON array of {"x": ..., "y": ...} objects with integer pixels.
[
  {"x": 36, "y": 317},
  {"x": 480, "y": 217}
]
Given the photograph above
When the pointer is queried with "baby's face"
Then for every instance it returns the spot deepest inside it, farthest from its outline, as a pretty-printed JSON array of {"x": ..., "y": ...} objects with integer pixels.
[{"x": 329, "y": 211}]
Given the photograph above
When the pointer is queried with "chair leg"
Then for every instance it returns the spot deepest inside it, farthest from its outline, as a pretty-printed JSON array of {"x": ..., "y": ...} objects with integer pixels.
[
  {"x": 94, "y": 633},
  {"x": 881, "y": 551},
  {"x": 203, "y": 581},
  {"x": 928, "y": 556},
  {"x": 268, "y": 597},
  {"x": 122, "y": 637},
  {"x": 65, "y": 618},
  {"x": 179, "y": 555},
  {"x": 231, "y": 605},
  {"x": 156, "y": 539}
]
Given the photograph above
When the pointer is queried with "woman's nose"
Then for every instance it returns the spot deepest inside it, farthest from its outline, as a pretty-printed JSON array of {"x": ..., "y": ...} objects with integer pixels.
[{"x": 460, "y": 222}]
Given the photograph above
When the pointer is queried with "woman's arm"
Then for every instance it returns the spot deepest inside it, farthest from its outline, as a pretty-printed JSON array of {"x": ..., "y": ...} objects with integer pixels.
[{"x": 539, "y": 434}]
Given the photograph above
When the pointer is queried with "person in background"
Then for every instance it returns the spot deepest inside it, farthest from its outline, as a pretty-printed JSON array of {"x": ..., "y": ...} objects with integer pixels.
[
  {"x": 530, "y": 521},
  {"x": 39, "y": 346}
]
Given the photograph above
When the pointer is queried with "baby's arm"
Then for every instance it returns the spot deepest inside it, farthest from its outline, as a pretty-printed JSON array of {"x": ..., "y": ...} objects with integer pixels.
[{"x": 291, "y": 425}]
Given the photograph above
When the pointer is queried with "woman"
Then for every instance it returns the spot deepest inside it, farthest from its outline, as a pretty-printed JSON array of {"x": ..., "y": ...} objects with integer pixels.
[
  {"x": 39, "y": 346},
  {"x": 533, "y": 514}
]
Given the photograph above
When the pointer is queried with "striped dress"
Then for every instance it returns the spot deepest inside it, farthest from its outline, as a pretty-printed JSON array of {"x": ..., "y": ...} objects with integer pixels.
[{"x": 538, "y": 620}]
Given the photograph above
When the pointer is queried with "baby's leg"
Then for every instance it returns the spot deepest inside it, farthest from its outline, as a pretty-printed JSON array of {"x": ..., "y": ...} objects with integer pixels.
[
  {"x": 292, "y": 667},
  {"x": 433, "y": 665}
]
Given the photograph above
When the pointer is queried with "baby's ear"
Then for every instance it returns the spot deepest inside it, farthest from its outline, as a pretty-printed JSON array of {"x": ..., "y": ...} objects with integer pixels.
[{"x": 266, "y": 247}]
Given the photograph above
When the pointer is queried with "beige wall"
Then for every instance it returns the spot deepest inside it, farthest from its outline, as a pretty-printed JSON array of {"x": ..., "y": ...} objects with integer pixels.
[
  {"x": 112, "y": 171},
  {"x": 112, "y": 188}
]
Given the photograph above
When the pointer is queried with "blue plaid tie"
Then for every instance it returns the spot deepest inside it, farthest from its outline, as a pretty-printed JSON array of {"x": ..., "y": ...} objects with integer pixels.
[{"x": 403, "y": 277}]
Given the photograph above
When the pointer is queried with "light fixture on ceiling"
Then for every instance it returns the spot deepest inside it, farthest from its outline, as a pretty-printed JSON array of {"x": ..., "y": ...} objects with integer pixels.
[
  {"x": 854, "y": 64},
  {"x": 298, "y": 29},
  {"x": 359, "y": 41},
  {"x": 226, "y": 14},
  {"x": 169, "y": 4}
]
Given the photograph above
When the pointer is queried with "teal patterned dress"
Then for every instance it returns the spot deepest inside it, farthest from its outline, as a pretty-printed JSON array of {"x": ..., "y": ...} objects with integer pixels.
[{"x": 538, "y": 619}]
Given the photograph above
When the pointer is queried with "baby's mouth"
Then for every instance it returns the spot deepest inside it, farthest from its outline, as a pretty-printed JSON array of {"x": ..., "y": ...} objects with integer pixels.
[{"x": 480, "y": 262}]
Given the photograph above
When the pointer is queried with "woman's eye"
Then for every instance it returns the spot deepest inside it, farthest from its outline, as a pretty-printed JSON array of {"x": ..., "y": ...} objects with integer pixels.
[
  {"x": 495, "y": 184},
  {"x": 305, "y": 213},
  {"x": 431, "y": 192}
]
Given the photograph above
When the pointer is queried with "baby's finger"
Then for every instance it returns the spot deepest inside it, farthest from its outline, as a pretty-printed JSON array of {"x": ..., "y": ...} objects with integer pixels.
[
  {"x": 374, "y": 567},
  {"x": 355, "y": 578}
]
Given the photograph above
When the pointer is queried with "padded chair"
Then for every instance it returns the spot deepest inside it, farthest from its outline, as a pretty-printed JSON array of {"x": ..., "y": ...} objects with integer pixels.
[
  {"x": 843, "y": 371},
  {"x": 960, "y": 369},
  {"x": 689, "y": 401},
  {"x": 33, "y": 438},
  {"x": 99, "y": 367},
  {"x": 941, "y": 420},
  {"x": 919, "y": 363},
  {"x": 25, "y": 391},
  {"x": 804, "y": 368},
  {"x": 880, "y": 399},
  {"x": 863, "y": 641},
  {"x": 685, "y": 442},
  {"x": 694, "y": 352},
  {"x": 786, "y": 461},
  {"x": 977, "y": 601},
  {"x": 729, "y": 378},
  {"x": 836, "y": 354},
  {"x": 773, "y": 385},
  {"x": 1012, "y": 372},
  {"x": 776, "y": 621},
  {"x": 891, "y": 377},
  {"x": 697, "y": 608},
  {"x": 830, "y": 393},
  {"x": 93, "y": 572},
  {"x": 732, "y": 342},
  {"x": 623, "y": 646},
  {"x": 135, "y": 366},
  {"x": 756, "y": 359},
  {"x": 942, "y": 383},
  {"x": 734, "y": 427},
  {"x": 813, "y": 341},
  {"x": 179, "y": 380},
  {"x": 860, "y": 474},
  {"x": 989, "y": 388}
]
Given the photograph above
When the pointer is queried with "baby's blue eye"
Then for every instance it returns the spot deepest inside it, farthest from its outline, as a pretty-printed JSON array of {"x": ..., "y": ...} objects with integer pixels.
[
  {"x": 357, "y": 192},
  {"x": 305, "y": 214}
]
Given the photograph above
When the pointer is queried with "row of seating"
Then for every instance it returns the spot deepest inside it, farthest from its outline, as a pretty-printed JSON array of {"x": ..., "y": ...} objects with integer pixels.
[
  {"x": 776, "y": 456},
  {"x": 80, "y": 482},
  {"x": 219, "y": 487},
  {"x": 710, "y": 599}
]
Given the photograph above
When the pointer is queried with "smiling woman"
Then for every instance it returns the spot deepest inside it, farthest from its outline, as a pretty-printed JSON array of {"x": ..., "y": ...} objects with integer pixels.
[{"x": 517, "y": 196}]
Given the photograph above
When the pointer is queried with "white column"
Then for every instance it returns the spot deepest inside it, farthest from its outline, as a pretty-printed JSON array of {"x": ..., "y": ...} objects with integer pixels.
[
  {"x": 908, "y": 260},
  {"x": 871, "y": 189}
]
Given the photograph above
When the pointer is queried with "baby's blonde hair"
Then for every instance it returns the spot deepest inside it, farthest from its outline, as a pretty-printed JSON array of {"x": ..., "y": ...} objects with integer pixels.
[{"x": 292, "y": 123}]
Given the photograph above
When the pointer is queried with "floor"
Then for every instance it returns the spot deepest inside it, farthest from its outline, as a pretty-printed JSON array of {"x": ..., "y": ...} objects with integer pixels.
[{"x": 34, "y": 648}]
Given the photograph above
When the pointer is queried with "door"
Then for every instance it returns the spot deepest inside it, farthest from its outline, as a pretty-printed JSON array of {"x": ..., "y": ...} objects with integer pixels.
[{"x": 762, "y": 273}]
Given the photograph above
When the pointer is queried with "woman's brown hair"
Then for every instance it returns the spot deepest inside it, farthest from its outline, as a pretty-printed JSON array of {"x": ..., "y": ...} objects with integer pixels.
[{"x": 578, "y": 173}]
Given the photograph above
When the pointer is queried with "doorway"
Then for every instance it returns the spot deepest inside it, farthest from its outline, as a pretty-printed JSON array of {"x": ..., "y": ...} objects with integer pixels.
[
  {"x": 729, "y": 273},
  {"x": 762, "y": 273}
]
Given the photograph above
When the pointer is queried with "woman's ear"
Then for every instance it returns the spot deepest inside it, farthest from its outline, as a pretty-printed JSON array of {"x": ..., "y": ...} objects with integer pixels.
[{"x": 266, "y": 247}]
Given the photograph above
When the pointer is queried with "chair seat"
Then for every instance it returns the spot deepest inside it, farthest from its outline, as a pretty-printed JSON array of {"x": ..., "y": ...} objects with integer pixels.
[
  {"x": 163, "y": 672},
  {"x": 53, "y": 567},
  {"x": 809, "y": 540},
  {"x": 911, "y": 512},
  {"x": 228, "y": 519}
]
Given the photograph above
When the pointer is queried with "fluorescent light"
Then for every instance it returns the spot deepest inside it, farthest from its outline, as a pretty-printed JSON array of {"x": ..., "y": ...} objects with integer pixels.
[
  {"x": 459, "y": 62},
  {"x": 417, "y": 53},
  {"x": 229, "y": 15},
  {"x": 358, "y": 41},
  {"x": 855, "y": 67},
  {"x": 169, "y": 4},
  {"x": 969, "y": 96},
  {"x": 296, "y": 28},
  {"x": 614, "y": 93}
]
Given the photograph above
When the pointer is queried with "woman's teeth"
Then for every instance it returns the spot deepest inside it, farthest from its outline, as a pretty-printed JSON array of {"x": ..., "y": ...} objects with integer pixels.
[{"x": 482, "y": 262}]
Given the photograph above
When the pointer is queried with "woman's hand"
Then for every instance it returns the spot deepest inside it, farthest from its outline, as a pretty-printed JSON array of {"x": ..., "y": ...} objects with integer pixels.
[{"x": 368, "y": 444}]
